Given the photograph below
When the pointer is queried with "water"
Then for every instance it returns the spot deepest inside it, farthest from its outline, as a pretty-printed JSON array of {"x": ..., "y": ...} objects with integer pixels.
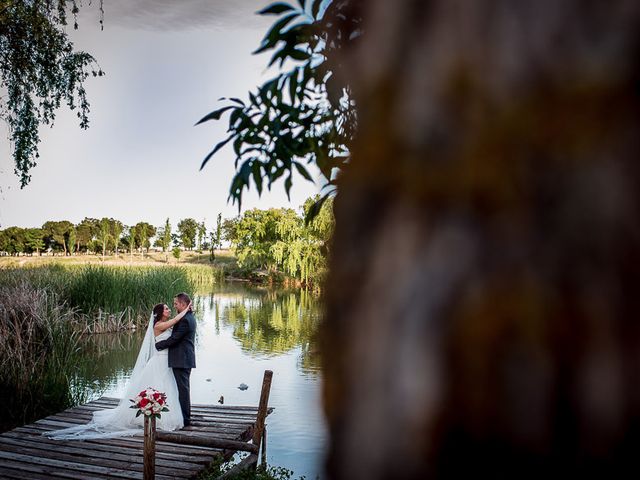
[{"x": 243, "y": 331}]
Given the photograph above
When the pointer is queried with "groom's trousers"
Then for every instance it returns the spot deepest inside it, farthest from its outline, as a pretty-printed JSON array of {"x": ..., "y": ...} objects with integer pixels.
[{"x": 182, "y": 381}]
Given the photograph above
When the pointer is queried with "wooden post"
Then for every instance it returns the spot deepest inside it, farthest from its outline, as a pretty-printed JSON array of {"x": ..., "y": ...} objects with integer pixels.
[
  {"x": 149, "y": 448},
  {"x": 262, "y": 410},
  {"x": 263, "y": 458}
]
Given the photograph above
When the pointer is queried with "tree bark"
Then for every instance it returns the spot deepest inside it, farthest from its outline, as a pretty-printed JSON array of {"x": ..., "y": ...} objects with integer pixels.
[{"x": 481, "y": 303}]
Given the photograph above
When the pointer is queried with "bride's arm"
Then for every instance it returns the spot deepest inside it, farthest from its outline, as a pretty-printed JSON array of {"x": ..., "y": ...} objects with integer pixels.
[{"x": 162, "y": 326}]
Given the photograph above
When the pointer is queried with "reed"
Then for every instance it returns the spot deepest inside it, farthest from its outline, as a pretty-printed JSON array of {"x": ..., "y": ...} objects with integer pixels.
[
  {"x": 39, "y": 354},
  {"x": 113, "y": 298}
]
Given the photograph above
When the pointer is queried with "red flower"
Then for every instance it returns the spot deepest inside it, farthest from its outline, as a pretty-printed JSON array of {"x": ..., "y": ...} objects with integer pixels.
[{"x": 143, "y": 402}]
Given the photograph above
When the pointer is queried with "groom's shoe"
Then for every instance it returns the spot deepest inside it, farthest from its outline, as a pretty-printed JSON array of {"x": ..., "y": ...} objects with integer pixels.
[{"x": 187, "y": 423}]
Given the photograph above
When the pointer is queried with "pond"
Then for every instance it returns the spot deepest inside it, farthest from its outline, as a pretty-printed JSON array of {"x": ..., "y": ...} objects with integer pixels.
[{"x": 243, "y": 331}]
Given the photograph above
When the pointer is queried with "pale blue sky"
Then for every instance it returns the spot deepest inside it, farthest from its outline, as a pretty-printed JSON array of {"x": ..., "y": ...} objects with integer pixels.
[{"x": 167, "y": 63}]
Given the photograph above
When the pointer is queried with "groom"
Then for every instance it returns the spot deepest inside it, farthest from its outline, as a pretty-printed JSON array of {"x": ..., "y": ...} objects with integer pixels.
[{"x": 182, "y": 356}]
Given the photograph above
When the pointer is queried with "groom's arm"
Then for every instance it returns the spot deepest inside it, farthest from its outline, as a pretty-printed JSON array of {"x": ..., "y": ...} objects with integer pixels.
[{"x": 179, "y": 331}]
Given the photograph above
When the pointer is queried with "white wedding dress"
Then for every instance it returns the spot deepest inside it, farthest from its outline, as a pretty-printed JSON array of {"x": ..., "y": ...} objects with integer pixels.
[{"x": 151, "y": 370}]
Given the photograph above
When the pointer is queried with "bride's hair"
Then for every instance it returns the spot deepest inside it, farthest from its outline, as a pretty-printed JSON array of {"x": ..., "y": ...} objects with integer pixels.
[{"x": 158, "y": 311}]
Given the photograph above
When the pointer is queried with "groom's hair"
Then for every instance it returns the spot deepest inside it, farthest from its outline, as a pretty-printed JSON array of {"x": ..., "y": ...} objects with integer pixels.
[{"x": 184, "y": 298}]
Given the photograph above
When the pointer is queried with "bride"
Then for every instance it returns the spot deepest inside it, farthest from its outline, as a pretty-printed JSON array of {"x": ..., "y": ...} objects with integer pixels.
[{"x": 151, "y": 370}]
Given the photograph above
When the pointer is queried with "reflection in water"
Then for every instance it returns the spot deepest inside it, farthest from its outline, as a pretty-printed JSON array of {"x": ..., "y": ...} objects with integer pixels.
[
  {"x": 112, "y": 357},
  {"x": 270, "y": 322}
]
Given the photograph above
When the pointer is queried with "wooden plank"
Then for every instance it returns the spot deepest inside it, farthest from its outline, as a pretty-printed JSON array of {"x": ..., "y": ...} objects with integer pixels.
[
  {"x": 6, "y": 472},
  {"x": 207, "y": 441},
  {"x": 85, "y": 461},
  {"x": 125, "y": 441},
  {"x": 60, "y": 467},
  {"x": 231, "y": 416},
  {"x": 99, "y": 404},
  {"x": 198, "y": 422},
  {"x": 209, "y": 416},
  {"x": 38, "y": 471},
  {"x": 129, "y": 457},
  {"x": 104, "y": 448}
]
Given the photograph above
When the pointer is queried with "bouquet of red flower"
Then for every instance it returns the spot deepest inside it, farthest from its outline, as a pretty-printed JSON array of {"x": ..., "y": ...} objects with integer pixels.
[{"x": 150, "y": 402}]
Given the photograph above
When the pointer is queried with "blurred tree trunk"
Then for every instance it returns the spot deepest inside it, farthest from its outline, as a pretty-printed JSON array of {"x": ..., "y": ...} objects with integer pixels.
[{"x": 482, "y": 306}]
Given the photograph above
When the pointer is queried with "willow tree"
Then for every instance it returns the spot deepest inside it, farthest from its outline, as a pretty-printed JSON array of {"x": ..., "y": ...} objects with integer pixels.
[
  {"x": 481, "y": 305},
  {"x": 39, "y": 71}
]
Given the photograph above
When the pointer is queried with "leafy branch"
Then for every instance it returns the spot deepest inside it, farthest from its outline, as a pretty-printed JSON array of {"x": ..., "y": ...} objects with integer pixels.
[
  {"x": 300, "y": 117},
  {"x": 39, "y": 70}
]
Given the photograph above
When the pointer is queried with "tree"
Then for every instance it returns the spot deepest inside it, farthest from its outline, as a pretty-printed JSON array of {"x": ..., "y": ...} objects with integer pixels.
[
  {"x": 34, "y": 240},
  {"x": 4, "y": 242},
  {"x": 39, "y": 70},
  {"x": 255, "y": 233},
  {"x": 480, "y": 289},
  {"x": 163, "y": 239},
  {"x": 187, "y": 229},
  {"x": 229, "y": 229},
  {"x": 144, "y": 232},
  {"x": 202, "y": 232},
  {"x": 176, "y": 253},
  {"x": 116, "y": 228},
  {"x": 216, "y": 237},
  {"x": 130, "y": 240},
  {"x": 55, "y": 235},
  {"x": 86, "y": 231},
  {"x": 71, "y": 240},
  {"x": 15, "y": 240},
  {"x": 104, "y": 234}
]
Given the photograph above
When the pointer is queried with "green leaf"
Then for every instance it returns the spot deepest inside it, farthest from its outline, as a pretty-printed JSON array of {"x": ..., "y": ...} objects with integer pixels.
[
  {"x": 303, "y": 171},
  {"x": 216, "y": 148},
  {"x": 279, "y": 55},
  {"x": 297, "y": 54},
  {"x": 276, "y": 9},
  {"x": 274, "y": 35},
  {"x": 215, "y": 115},
  {"x": 315, "y": 208},
  {"x": 235, "y": 115},
  {"x": 287, "y": 186},
  {"x": 293, "y": 85},
  {"x": 315, "y": 8},
  {"x": 257, "y": 176}
]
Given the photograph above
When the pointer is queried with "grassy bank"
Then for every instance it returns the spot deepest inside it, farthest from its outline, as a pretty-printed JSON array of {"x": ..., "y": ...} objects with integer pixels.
[{"x": 224, "y": 266}]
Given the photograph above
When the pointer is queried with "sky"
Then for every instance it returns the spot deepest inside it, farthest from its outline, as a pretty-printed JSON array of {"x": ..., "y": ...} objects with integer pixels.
[{"x": 167, "y": 63}]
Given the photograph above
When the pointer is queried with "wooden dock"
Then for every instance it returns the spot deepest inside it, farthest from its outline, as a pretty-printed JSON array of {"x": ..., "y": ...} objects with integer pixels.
[{"x": 26, "y": 454}]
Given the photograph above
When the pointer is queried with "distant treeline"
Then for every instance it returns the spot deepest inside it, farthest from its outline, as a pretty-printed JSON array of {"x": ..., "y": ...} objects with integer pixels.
[
  {"x": 274, "y": 240},
  {"x": 106, "y": 236}
]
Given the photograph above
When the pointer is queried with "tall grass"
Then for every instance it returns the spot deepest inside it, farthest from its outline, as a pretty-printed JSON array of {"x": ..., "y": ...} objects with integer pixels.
[
  {"x": 39, "y": 354},
  {"x": 111, "y": 298}
]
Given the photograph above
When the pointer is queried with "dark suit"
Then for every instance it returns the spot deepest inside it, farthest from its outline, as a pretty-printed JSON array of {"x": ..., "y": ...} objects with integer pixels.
[{"x": 182, "y": 359}]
